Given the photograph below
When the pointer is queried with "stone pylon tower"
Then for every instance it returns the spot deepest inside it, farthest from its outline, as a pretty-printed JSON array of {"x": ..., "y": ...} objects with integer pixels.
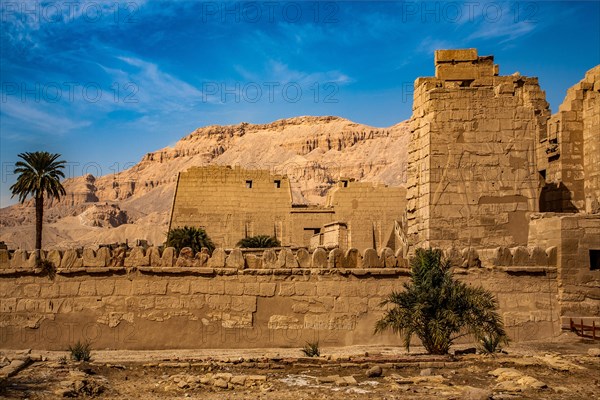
[{"x": 472, "y": 170}]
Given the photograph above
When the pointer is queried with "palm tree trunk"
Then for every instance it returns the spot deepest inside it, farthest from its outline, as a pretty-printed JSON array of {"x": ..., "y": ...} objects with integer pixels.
[{"x": 39, "y": 215}]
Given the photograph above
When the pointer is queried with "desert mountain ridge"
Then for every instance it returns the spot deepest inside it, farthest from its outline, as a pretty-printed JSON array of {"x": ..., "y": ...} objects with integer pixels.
[{"x": 313, "y": 151}]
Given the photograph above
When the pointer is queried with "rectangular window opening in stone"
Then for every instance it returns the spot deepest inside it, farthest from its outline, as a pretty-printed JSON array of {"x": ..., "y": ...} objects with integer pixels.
[
  {"x": 594, "y": 260},
  {"x": 248, "y": 184},
  {"x": 277, "y": 183}
]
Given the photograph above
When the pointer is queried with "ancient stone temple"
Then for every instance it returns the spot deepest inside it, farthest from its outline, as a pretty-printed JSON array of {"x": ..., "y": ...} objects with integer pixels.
[
  {"x": 472, "y": 161},
  {"x": 234, "y": 203},
  {"x": 490, "y": 168},
  {"x": 508, "y": 192}
]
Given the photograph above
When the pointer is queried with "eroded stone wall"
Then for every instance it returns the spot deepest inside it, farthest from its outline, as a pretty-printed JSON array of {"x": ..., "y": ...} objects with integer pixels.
[
  {"x": 370, "y": 212},
  {"x": 152, "y": 300},
  {"x": 569, "y": 152},
  {"x": 575, "y": 236},
  {"x": 591, "y": 140},
  {"x": 472, "y": 178}
]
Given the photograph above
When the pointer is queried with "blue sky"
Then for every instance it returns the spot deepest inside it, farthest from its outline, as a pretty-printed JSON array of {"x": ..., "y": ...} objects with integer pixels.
[{"x": 103, "y": 83}]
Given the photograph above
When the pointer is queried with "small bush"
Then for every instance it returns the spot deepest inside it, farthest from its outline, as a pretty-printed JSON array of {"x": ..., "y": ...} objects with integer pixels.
[
  {"x": 490, "y": 344},
  {"x": 81, "y": 351},
  {"x": 311, "y": 349},
  {"x": 194, "y": 238},
  {"x": 62, "y": 360},
  {"x": 258, "y": 242},
  {"x": 48, "y": 268}
]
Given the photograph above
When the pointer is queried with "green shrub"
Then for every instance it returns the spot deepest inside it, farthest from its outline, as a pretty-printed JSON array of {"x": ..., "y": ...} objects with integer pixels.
[
  {"x": 439, "y": 309},
  {"x": 81, "y": 351},
  {"x": 48, "y": 268},
  {"x": 259, "y": 242},
  {"x": 311, "y": 349},
  {"x": 490, "y": 344},
  {"x": 195, "y": 238}
]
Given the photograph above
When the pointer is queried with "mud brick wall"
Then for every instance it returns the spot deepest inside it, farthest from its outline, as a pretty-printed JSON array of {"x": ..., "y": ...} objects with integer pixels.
[
  {"x": 472, "y": 177},
  {"x": 148, "y": 299}
]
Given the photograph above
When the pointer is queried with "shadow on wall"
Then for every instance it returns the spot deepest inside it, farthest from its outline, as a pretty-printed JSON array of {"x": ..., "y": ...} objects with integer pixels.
[{"x": 556, "y": 198}]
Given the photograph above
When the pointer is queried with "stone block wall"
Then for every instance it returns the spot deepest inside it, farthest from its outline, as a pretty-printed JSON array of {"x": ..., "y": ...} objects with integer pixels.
[
  {"x": 152, "y": 299},
  {"x": 232, "y": 203},
  {"x": 576, "y": 237},
  {"x": 472, "y": 178},
  {"x": 591, "y": 140},
  {"x": 218, "y": 199},
  {"x": 569, "y": 152},
  {"x": 369, "y": 211}
]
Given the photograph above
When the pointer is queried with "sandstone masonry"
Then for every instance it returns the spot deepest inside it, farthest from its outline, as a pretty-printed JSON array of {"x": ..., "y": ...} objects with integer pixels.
[{"x": 153, "y": 299}]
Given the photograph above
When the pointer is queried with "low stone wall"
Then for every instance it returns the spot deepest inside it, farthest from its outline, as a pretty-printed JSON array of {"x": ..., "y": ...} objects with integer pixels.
[{"x": 272, "y": 298}]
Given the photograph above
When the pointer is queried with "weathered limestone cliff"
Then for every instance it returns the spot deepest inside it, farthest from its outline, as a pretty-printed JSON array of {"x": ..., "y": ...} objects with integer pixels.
[{"x": 314, "y": 152}]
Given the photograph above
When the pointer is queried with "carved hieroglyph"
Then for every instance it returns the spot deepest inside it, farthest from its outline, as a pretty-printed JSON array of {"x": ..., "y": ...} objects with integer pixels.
[{"x": 472, "y": 163}]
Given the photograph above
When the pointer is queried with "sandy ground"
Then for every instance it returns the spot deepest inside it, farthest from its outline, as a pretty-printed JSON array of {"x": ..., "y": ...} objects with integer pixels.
[{"x": 567, "y": 369}]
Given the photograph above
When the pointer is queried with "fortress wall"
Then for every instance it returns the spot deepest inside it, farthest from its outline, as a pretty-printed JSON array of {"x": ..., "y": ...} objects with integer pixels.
[
  {"x": 148, "y": 300},
  {"x": 472, "y": 157}
]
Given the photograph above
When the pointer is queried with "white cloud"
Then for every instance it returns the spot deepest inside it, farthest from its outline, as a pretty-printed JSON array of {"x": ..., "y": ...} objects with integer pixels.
[
  {"x": 38, "y": 115},
  {"x": 276, "y": 71},
  {"x": 505, "y": 30}
]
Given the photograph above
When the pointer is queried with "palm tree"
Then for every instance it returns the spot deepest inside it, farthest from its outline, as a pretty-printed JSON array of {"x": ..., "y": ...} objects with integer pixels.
[
  {"x": 259, "y": 242},
  {"x": 39, "y": 174},
  {"x": 195, "y": 238},
  {"x": 438, "y": 309}
]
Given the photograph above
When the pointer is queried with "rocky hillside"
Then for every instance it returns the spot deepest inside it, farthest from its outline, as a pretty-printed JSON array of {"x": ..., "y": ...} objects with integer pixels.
[{"x": 135, "y": 204}]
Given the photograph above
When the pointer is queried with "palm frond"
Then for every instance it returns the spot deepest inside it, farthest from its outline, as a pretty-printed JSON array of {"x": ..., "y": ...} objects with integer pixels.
[
  {"x": 194, "y": 238},
  {"x": 259, "y": 242},
  {"x": 437, "y": 308}
]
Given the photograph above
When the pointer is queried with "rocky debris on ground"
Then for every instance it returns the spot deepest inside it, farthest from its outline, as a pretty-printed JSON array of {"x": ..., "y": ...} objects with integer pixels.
[
  {"x": 512, "y": 380},
  {"x": 594, "y": 352},
  {"x": 11, "y": 367},
  {"x": 473, "y": 393},
  {"x": 472, "y": 377},
  {"x": 436, "y": 386},
  {"x": 222, "y": 380},
  {"x": 337, "y": 380},
  {"x": 558, "y": 363},
  {"x": 416, "y": 380},
  {"x": 374, "y": 372},
  {"x": 81, "y": 383}
]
